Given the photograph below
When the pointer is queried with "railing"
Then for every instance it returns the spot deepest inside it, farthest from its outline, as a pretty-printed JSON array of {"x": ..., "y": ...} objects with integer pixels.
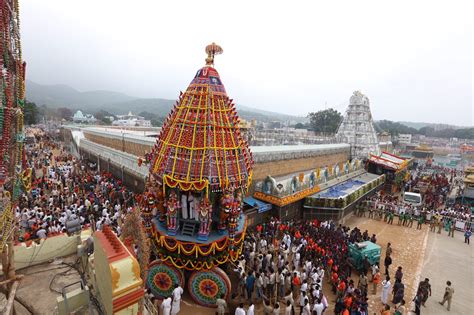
[
  {"x": 150, "y": 306},
  {"x": 119, "y": 158}
]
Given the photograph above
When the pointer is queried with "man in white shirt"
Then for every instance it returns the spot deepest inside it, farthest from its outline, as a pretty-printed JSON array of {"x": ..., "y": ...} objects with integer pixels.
[
  {"x": 304, "y": 287},
  {"x": 306, "y": 308},
  {"x": 41, "y": 233},
  {"x": 240, "y": 310},
  {"x": 166, "y": 306},
  {"x": 281, "y": 284},
  {"x": 318, "y": 307},
  {"x": 251, "y": 310},
  {"x": 259, "y": 285},
  {"x": 177, "y": 292}
]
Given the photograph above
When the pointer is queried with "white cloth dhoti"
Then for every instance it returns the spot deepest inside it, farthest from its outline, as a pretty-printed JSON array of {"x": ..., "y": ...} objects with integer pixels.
[
  {"x": 184, "y": 206},
  {"x": 175, "y": 307}
]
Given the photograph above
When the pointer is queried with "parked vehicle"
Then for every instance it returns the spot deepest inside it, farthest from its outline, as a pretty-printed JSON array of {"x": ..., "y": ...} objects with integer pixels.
[{"x": 412, "y": 198}]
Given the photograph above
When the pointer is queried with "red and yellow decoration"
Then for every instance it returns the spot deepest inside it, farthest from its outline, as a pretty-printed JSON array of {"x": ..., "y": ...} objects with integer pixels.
[
  {"x": 196, "y": 256},
  {"x": 283, "y": 201},
  {"x": 200, "y": 144}
]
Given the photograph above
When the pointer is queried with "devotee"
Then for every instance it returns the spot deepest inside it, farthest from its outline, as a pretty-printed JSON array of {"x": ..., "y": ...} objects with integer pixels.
[
  {"x": 221, "y": 305},
  {"x": 177, "y": 292},
  {"x": 398, "y": 291},
  {"x": 448, "y": 295},
  {"x": 387, "y": 262},
  {"x": 385, "y": 289},
  {"x": 400, "y": 309},
  {"x": 251, "y": 309},
  {"x": 240, "y": 310},
  {"x": 425, "y": 288},
  {"x": 467, "y": 235},
  {"x": 166, "y": 306}
]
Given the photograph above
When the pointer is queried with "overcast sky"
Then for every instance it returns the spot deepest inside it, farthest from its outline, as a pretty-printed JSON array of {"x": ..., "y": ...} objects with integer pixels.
[{"x": 413, "y": 59}]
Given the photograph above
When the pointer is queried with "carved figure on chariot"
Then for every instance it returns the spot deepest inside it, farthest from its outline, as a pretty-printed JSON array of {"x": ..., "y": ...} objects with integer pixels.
[{"x": 200, "y": 170}]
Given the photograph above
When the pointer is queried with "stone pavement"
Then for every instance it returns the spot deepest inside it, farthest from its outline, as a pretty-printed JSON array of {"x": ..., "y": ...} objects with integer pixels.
[
  {"x": 424, "y": 254},
  {"x": 450, "y": 259}
]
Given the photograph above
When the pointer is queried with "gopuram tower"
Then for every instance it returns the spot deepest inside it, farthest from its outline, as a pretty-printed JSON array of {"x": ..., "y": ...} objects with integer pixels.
[{"x": 357, "y": 128}]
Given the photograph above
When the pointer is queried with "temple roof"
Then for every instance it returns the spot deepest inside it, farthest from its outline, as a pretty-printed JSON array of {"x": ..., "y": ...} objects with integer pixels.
[
  {"x": 389, "y": 160},
  {"x": 200, "y": 142}
]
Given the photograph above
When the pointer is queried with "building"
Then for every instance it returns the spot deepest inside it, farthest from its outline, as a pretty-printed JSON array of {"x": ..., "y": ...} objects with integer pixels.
[
  {"x": 404, "y": 138},
  {"x": 131, "y": 120},
  {"x": 81, "y": 118},
  {"x": 357, "y": 128}
]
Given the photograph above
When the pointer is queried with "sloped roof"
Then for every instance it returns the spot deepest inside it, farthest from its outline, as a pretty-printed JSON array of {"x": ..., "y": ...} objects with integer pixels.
[{"x": 389, "y": 160}]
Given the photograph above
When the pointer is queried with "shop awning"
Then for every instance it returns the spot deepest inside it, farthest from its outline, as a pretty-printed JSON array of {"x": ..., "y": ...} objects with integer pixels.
[{"x": 260, "y": 205}]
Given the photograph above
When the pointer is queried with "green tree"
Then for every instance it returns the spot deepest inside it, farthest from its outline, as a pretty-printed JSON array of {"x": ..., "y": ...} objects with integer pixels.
[
  {"x": 394, "y": 128},
  {"x": 148, "y": 115},
  {"x": 64, "y": 113},
  {"x": 103, "y": 116},
  {"x": 325, "y": 121},
  {"x": 300, "y": 126},
  {"x": 31, "y": 113},
  {"x": 464, "y": 133},
  {"x": 157, "y": 122}
]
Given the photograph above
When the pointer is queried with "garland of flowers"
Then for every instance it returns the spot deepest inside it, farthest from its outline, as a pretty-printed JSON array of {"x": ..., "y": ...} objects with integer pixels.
[
  {"x": 12, "y": 90},
  {"x": 213, "y": 261},
  {"x": 195, "y": 256},
  {"x": 134, "y": 231}
]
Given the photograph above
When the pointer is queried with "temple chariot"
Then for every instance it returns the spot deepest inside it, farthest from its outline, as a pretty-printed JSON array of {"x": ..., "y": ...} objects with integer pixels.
[{"x": 200, "y": 170}]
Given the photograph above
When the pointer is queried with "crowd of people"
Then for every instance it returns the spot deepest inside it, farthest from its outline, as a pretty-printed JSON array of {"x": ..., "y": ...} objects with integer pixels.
[
  {"x": 439, "y": 216},
  {"x": 285, "y": 267},
  {"x": 67, "y": 195}
]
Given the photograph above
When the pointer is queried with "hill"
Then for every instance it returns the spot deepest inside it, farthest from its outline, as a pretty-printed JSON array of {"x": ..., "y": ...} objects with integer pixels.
[
  {"x": 60, "y": 95},
  {"x": 419, "y": 125}
]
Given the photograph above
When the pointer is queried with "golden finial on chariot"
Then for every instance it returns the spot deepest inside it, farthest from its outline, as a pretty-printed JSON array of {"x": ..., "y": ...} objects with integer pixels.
[{"x": 212, "y": 50}]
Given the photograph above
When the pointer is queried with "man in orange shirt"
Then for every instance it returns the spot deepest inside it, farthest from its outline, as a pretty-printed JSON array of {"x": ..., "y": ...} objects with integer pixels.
[
  {"x": 385, "y": 310},
  {"x": 376, "y": 281},
  {"x": 341, "y": 289},
  {"x": 348, "y": 301},
  {"x": 334, "y": 279},
  {"x": 329, "y": 268}
]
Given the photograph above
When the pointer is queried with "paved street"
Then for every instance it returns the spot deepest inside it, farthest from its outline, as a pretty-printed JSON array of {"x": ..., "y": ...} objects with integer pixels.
[
  {"x": 449, "y": 259},
  {"x": 424, "y": 254}
]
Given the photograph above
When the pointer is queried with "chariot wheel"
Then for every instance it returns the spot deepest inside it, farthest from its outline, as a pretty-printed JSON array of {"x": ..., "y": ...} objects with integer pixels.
[
  {"x": 205, "y": 287},
  {"x": 162, "y": 278}
]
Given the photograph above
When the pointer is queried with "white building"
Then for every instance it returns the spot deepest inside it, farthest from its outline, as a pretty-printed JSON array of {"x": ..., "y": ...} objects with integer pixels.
[
  {"x": 79, "y": 117},
  {"x": 404, "y": 138},
  {"x": 357, "y": 128},
  {"x": 131, "y": 120}
]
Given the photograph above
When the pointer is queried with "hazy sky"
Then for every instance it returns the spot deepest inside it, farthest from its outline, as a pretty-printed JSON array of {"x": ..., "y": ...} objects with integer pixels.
[{"x": 413, "y": 59}]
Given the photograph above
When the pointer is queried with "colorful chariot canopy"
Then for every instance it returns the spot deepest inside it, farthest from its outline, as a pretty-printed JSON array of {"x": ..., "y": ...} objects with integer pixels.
[
  {"x": 200, "y": 145},
  {"x": 389, "y": 161}
]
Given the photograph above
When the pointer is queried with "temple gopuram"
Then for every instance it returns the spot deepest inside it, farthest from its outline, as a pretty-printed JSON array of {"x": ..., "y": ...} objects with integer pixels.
[{"x": 357, "y": 128}]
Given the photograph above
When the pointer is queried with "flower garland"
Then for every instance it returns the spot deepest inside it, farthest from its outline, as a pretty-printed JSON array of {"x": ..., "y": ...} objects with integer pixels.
[{"x": 195, "y": 256}]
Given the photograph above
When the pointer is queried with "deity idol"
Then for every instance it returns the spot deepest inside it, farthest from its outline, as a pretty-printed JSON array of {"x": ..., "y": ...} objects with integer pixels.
[
  {"x": 205, "y": 218},
  {"x": 172, "y": 206},
  {"x": 149, "y": 210},
  {"x": 160, "y": 204},
  {"x": 227, "y": 201},
  {"x": 234, "y": 216}
]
